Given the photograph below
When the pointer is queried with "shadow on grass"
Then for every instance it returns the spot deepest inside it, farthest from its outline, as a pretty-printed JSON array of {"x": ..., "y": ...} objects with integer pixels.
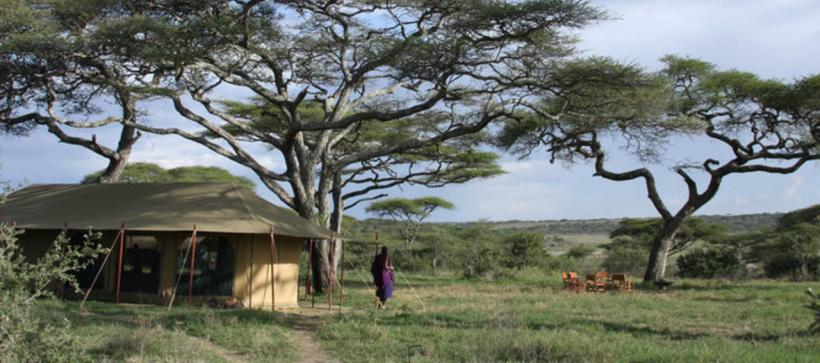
[{"x": 471, "y": 322}]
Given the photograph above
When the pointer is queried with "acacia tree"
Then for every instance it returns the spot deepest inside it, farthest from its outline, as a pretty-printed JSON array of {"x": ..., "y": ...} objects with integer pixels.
[
  {"x": 767, "y": 126},
  {"x": 358, "y": 62},
  {"x": 153, "y": 173},
  {"x": 409, "y": 214},
  {"x": 641, "y": 233},
  {"x": 50, "y": 71}
]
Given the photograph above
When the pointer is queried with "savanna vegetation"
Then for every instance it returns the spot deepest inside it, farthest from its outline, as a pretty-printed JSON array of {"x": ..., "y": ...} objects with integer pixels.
[{"x": 353, "y": 99}]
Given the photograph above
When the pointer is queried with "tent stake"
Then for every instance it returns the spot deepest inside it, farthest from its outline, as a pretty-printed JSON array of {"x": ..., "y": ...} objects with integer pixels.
[
  {"x": 99, "y": 271},
  {"x": 191, "y": 267},
  {"x": 273, "y": 261},
  {"x": 119, "y": 263}
]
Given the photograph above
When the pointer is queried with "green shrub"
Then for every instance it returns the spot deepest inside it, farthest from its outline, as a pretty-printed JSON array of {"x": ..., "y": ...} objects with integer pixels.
[
  {"x": 626, "y": 259},
  {"x": 524, "y": 249},
  {"x": 792, "y": 266},
  {"x": 581, "y": 251},
  {"x": 709, "y": 263},
  {"x": 24, "y": 337}
]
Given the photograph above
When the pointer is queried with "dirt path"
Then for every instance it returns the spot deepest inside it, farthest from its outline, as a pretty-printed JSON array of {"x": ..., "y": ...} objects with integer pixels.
[{"x": 303, "y": 336}]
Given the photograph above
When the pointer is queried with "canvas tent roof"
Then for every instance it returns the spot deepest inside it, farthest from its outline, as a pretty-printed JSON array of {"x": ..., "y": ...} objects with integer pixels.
[{"x": 221, "y": 208}]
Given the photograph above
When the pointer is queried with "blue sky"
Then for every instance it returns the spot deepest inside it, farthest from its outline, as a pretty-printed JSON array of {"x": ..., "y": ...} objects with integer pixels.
[{"x": 773, "y": 38}]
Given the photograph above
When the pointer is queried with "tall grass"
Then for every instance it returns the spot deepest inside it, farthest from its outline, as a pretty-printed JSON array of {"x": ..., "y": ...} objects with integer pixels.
[{"x": 528, "y": 319}]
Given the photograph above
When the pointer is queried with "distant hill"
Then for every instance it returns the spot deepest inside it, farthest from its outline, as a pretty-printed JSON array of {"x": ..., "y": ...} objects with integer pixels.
[{"x": 744, "y": 223}]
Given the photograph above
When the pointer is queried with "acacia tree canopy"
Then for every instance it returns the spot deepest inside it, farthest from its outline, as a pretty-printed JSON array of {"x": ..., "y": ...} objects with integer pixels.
[
  {"x": 328, "y": 68},
  {"x": 52, "y": 74},
  {"x": 409, "y": 213},
  {"x": 766, "y": 125},
  {"x": 153, "y": 173}
]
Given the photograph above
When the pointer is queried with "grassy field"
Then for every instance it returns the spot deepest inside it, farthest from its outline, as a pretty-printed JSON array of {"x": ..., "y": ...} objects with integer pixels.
[
  {"x": 138, "y": 333},
  {"x": 532, "y": 320},
  {"x": 446, "y": 319}
]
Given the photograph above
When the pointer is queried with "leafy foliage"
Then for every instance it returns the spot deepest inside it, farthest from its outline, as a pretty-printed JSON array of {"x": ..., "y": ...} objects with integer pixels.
[
  {"x": 643, "y": 231},
  {"x": 709, "y": 263},
  {"x": 153, "y": 173},
  {"x": 792, "y": 248},
  {"x": 524, "y": 249},
  {"x": 409, "y": 213},
  {"x": 24, "y": 337}
]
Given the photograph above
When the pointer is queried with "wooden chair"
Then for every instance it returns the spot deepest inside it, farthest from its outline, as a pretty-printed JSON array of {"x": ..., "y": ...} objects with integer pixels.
[
  {"x": 565, "y": 279},
  {"x": 576, "y": 283},
  {"x": 622, "y": 283},
  {"x": 596, "y": 282}
]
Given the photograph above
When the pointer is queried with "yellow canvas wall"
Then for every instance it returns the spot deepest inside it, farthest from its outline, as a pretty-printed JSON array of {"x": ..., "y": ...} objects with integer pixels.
[
  {"x": 252, "y": 279},
  {"x": 252, "y": 274}
]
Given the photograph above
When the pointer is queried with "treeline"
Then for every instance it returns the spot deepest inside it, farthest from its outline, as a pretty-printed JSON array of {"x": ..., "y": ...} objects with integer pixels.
[
  {"x": 744, "y": 223},
  {"x": 744, "y": 246}
]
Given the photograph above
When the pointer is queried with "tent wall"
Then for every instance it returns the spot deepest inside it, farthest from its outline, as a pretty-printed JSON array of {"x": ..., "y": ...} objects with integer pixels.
[{"x": 251, "y": 282}]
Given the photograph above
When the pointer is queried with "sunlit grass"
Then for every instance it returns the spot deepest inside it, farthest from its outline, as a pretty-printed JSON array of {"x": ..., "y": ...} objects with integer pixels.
[
  {"x": 529, "y": 319},
  {"x": 184, "y": 334}
]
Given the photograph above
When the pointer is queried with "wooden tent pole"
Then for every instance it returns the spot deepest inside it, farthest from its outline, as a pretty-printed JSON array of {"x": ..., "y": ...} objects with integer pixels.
[
  {"x": 119, "y": 263},
  {"x": 329, "y": 279},
  {"x": 191, "y": 267},
  {"x": 99, "y": 271},
  {"x": 62, "y": 283},
  {"x": 342, "y": 279},
  {"x": 179, "y": 277},
  {"x": 310, "y": 268},
  {"x": 312, "y": 293},
  {"x": 273, "y": 261}
]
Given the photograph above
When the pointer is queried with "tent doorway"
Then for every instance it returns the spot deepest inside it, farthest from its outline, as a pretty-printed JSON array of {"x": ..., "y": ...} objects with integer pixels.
[
  {"x": 140, "y": 268},
  {"x": 213, "y": 267}
]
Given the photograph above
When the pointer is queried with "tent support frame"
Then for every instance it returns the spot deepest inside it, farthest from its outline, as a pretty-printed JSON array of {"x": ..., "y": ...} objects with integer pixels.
[
  {"x": 273, "y": 261},
  {"x": 191, "y": 267},
  {"x": 100, "y": 270},
  {"x": 119, "y": 263}
]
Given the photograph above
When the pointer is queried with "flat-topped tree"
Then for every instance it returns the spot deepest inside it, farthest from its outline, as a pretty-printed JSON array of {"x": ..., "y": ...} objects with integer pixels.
[
  {"x": 152, "y": 173},
  {"x": 767, "y": 126},
  {"x": 350, "y": 63},
  {"x": 409, "y": 214},
  {"x": 53, "y": 75}
]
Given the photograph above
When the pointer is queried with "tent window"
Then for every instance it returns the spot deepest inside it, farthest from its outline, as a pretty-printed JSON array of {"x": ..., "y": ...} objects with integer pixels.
[
  {"x": 85, "y": 276},
  {"x": 213, "y": 267},
  {"x": 140, "y": 268}
]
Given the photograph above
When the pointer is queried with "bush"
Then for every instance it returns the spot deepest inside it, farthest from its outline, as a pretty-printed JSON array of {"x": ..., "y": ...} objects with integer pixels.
[
  {"x": 791, "y": 266},
  {"x": 484, "y": 260},
  {"x": 524, "y": 249},
  {"x": 23, "y": 336},
  {"x": 626, "y": 259},
  {"x": 709, "y": 263}
]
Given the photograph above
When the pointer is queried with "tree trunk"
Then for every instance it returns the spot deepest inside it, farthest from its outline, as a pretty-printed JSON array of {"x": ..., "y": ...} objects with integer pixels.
[
  {"x": 656, "y": 269},
  {"x": 128, "y": 137},
  {"x": 336, "y": 225}
]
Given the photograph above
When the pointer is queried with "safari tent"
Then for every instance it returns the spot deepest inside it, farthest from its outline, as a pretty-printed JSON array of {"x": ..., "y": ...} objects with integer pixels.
[{"x": 241, "y": 242}]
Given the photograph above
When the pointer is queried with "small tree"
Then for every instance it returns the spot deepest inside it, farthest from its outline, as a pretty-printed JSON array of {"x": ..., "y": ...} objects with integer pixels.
[
  {"x": 23, "y": 336},
  {"x": 792, "y": 247},
  {"x": 408, "y": 213},
  {"x": 767, "y": 126},
  {"x": 525, "y": 249}
]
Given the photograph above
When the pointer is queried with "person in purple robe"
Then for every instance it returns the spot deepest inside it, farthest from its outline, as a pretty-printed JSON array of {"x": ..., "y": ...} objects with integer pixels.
[{"x": 383, "y": 277}]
